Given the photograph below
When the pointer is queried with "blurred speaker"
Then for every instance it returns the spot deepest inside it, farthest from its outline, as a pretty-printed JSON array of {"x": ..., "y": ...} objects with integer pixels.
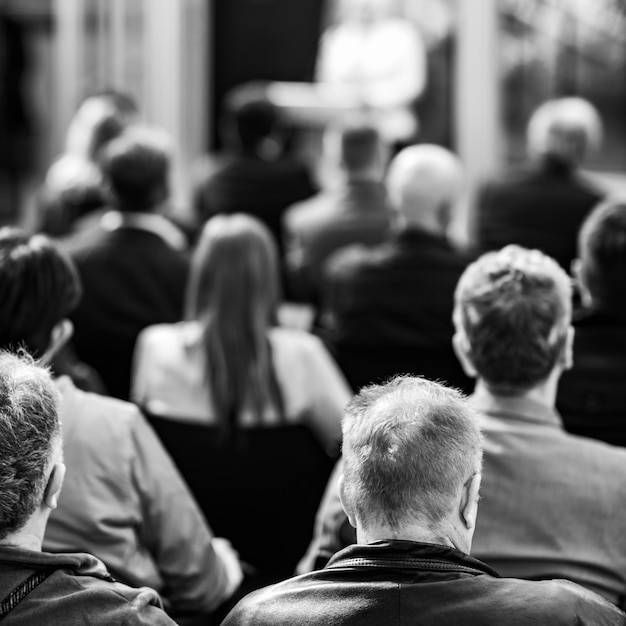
[{"x": 263, "y": 40}]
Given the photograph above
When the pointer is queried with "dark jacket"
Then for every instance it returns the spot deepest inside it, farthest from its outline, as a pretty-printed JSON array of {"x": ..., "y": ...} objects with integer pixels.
[
  {"x": 591, "y": 396},
  {"x": 403, "y": 582},
  {"x": 541, "y": 206},
  {"x": 78, "y": 591},
  {"x": 389, "y": 309},
  {"x": 132, "y": 278},
  {"x": 356, "y": 212}
]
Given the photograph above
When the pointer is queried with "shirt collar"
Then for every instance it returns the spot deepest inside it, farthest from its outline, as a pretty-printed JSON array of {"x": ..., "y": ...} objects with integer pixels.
[
  {"x": 148, "y": 222},
  {"x": 515, "y": 408}
]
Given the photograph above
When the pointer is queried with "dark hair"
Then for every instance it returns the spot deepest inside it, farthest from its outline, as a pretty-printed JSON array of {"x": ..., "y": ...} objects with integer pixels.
[
  {"x": 29, "y": 424},
  {"x": 136, "y": 165},
  {"x": 514, "y": 307},
  {"x": 39, "y": 286},
  {"x": 360, "y": 147},
  {"x": 602, "y": 252},
  {"x": 409, "y": 446},
  {"x": 233, "y": 291}
]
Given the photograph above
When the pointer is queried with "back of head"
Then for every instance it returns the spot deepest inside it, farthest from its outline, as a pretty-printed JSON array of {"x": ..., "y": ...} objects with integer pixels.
[
  {"x": 39, "y": 287},
  {"x": 409, "y": 447},
  {"x": 357, "y": 149},
  {"x": 136, "y": 166},
  {"x": 513, "y": 310},
  {"x": 423, "y": 182},
  {"x": 250, "y": 118},
  {"x": 602, "y": 254},
  {"x": 233, "y": 291},
  {"x": 29, "y": 428},
  {"x": 565, "y": 130}
]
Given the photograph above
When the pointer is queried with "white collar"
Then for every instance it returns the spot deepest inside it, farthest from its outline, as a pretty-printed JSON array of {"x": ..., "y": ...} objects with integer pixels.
[{"x": 149, "y": 222}]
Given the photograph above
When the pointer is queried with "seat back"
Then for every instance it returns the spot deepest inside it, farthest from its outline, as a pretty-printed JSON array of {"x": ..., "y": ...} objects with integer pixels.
[{"x": 260, "y": 490}]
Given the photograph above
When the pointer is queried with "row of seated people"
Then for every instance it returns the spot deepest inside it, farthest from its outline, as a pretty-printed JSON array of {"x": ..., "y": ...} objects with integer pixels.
[
  {"x": 552, "y": 502},
  {"x": 131, "y": 263}
]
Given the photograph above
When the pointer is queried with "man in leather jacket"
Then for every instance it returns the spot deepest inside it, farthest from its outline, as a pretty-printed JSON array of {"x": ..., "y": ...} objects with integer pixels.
[{"x": 412, "y": 470}]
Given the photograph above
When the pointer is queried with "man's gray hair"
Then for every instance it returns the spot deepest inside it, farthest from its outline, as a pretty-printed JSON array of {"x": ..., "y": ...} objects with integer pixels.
[
  {"x": 29, "y": 425},
  {"x": 514, "y": 307},
  {"x": 409, "y": 446},
  {"x": 565, "y": 128}
]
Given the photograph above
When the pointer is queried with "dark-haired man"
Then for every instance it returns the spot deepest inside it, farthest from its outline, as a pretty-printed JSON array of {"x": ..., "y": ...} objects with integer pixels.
[
  {"x": 411, "y": 477},
  {"x": 132, "y": 263},
  {"x": 38, "y": 587},
  {"x": 124, "y": 500},
  {"x": 592, "y": 396}
]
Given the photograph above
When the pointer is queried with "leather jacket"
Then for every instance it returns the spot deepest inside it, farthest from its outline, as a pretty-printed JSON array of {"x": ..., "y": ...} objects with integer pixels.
[{"x": 404, "y": 582}]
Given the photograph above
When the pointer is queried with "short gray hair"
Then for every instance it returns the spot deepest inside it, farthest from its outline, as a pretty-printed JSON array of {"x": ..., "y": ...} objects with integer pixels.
[
  {"x": 514, "y": 306},
  {"x": 565, "y": 128},
  {"x": 409, "y": 446},
  {"x": 29, "y": 425}
]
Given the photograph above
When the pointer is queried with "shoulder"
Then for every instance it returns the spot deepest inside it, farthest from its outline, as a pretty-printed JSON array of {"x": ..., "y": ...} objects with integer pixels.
[
  {"x": 295, "y": 341},
  {"x": 557, "y": 602},
  {"x": 165, "y": 335}
]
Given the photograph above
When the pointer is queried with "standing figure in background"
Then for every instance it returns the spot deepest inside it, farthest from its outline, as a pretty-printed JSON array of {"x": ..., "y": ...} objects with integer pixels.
[
  {"x": 381, "y": 58},
  {"x": 543, "y": 205}
]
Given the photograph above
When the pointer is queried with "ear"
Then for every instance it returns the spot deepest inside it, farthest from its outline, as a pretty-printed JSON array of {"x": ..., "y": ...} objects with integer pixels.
[
  {"x": 341, "y": 488},
  {"x": 53, "y": 488},
  {"x": 463, "y": 353},
  {"x": 567, "y": 358},
  {"x": 60, "y": 334},
  {"x": 468, "y": 509},
  {"x": 578, "y": 276}
]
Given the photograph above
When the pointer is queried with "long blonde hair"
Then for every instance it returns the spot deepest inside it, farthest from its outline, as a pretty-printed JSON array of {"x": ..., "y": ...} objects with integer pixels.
[{"x": 233, "y": 291}]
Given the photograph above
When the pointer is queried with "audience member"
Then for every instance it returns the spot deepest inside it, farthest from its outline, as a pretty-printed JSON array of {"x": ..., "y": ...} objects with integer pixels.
[
  {"x": 236, "y": 376},
  {"x": 123, "y": 500},
  {"x": 253, "y": 175},
  {"x": 412, "y": 472},
  {"x": 38, "y": 587},
  {"x": 592, "y": 397},
  {"x": 132, "y": 262},
  {"x": 552, "y": 503},
  {"x": 389, "y": 308},
  {"x": 353, "y": 210},
  {"x": 543, "y": 204},
  {"x": 73, "y": 191}
]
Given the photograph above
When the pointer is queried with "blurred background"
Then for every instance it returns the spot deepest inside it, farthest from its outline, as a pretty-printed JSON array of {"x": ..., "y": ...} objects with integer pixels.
[{"x": 488, "y": 65}]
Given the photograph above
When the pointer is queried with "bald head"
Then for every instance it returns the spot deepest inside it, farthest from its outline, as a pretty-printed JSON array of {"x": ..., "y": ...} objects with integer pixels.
[
  {"x": 423, "y": 183},
  {"x": 566, "y": 129}
]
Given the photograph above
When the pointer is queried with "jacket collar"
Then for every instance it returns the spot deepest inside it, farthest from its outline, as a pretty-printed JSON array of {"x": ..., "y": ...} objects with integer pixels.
[
  {"x": 516, "y": 408},
  {"x": 147, "y": 222},
  {"x": 396, "y": 554}
]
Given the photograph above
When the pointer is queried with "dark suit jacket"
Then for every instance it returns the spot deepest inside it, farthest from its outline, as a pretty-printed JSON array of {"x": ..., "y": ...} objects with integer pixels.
[
  {"x": 132, "y": 279},
  {"x": 389, "y": 309},
  {"x": 357, "y": 212},
  {"x": 541, "y": 207},
  {"x": 246, "y": 184},
  {"x": 592, "y": 395}
]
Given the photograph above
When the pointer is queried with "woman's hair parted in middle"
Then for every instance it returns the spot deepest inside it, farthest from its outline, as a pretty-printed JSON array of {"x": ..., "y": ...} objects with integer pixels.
[{"x": 233, "y": 292}]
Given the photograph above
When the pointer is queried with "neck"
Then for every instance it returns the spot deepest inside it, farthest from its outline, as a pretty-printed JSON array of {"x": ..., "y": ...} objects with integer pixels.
[
  {"x": 446, "y": 535},
  {"x": 544, "y": 393},
  {"x": 29, "y": 536}
]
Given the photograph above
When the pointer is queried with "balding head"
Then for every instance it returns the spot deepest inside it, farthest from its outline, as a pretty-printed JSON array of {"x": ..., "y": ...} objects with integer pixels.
[
  {"x": 423, "y": 183},
  {"x": 565, "y": 129}
]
